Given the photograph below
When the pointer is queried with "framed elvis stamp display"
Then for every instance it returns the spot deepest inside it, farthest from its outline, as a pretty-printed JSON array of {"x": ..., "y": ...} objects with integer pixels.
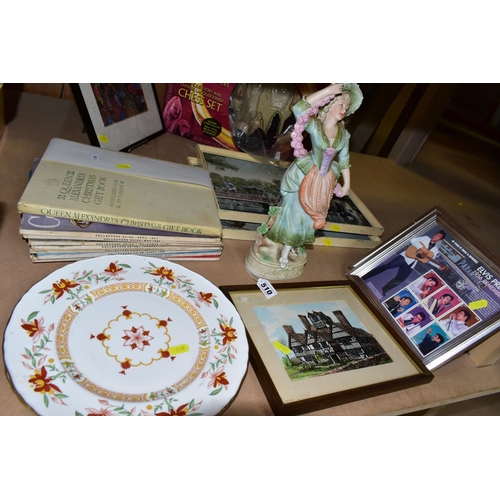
[
  {"x": 119, "y": 116},
  {"x": 437, "y": 284},
  {"x": 318, "y": 345}
]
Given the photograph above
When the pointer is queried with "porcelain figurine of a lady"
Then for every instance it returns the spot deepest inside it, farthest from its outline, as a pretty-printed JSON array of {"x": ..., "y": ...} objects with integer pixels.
[{"x": 308, "y": 184}]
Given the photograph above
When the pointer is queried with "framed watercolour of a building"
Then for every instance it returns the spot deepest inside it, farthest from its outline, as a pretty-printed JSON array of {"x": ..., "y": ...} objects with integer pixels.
[{"x": 319, "y": 345}]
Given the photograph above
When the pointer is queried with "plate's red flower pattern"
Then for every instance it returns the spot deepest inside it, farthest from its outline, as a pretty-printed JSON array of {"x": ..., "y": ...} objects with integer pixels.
[
  {"x": 35, "y": 328},
  {"x": 114, "y": 269},
  {"x": 164, "y": 272},
  {"x": 228, "y": 334},
  {"x": 46, "y": 375},
  {"x": 64, "y": 285},
  {"x": 42, "y": 382},
  {"x": 218, "y": 379},
  {"x": 181, "y": 411}
]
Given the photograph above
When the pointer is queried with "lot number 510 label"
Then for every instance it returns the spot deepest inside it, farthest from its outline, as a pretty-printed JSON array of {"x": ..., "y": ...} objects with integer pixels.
[{"x": 266, "y": 288}]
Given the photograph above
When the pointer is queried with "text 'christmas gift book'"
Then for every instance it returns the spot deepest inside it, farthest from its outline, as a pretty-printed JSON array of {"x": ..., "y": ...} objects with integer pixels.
[{"x": 87, "y": 183}]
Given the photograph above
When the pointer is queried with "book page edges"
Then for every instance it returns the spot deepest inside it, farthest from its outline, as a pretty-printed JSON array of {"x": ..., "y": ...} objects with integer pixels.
[{"x": 74, "y": 154}]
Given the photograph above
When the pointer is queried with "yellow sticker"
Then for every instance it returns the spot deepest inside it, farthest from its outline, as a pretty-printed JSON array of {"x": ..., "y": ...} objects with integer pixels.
[
  {"x": 103, "y": 138},
  {"x": 178, "y": 349},
  {"x": 334, "y": 227},
  {"x": 327, "y": 242},
  {"x": 123, "y": 165},
  {"x": 283, "y": 348},
  {"x": 478, "y": 304}
]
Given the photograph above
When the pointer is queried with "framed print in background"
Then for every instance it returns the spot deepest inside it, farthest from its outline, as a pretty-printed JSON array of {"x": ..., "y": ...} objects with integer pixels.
[
  {"x": 245, "y": 189},
  {"x": 319, "y": 345},
  {"x": 245, "y": 230},
  {"x": 438, "y": 286},
  {"x": 119, "y": 116}
]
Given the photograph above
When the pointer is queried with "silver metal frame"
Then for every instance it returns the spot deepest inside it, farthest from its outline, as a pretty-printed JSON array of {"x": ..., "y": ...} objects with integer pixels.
[{"x": 473, "y": 248}]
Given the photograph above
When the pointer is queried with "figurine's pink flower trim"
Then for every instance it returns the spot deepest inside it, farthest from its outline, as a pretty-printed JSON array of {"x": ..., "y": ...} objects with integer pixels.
[{"x": 298, "y": 148}]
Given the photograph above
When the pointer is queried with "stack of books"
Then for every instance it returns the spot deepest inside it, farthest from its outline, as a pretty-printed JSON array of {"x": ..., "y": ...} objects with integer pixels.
[
  {"x": 245, "y": 189},
  {"x": 82, "y": 201}
]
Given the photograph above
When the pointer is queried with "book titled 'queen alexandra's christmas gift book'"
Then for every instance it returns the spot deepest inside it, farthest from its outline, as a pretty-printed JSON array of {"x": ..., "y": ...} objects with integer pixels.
[{"x": 87, "y": 183}]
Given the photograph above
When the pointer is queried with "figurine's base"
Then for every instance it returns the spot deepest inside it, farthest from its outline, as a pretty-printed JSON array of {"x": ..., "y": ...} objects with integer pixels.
[{"x": 262, "y": 261}]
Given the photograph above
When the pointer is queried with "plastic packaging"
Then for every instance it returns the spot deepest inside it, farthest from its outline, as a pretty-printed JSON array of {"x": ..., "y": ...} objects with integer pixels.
[{"x": 261, "y": 119}]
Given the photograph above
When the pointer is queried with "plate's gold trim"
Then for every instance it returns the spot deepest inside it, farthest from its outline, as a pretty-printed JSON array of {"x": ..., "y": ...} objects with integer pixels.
[{"x": 69, "y": 315}]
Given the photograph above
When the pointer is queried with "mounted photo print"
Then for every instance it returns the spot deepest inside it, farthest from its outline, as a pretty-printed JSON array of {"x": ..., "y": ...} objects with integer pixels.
[
  {"x": 246, "y": 188},
  {"x": 119, "y": 116},
  {"x": 438, "y": 285},
  {"x": 319, "y": 345},
  {"x": 246, "y": 230}
]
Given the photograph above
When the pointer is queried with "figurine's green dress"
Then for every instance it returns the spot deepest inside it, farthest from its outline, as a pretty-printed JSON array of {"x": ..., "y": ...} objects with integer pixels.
[{"x": 293, "y": 226}]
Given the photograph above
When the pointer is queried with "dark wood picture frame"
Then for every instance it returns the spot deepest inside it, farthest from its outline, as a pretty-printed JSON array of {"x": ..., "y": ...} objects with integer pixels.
[
  {"x": 460, "y": 266},
  {"x": 374, "y": 375},
  {"x": 133, "y": 114}
]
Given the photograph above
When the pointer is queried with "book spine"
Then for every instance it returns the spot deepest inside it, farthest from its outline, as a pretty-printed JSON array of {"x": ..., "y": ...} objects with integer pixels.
[
  {"x": 57, "y": 258},
  {"x": 235, "y": 234},
  {"x": 352, "y": 228},
  {"x": 244, "y": 235},
  {"x": 124, "y": 250},
  {"x": 30, "y": 208},
  {"x": 68, "y": 257},
  {"x": 346, "y": 242},
  {"x": 113, "y": 245},
  {"x": 118, "y": 238}
]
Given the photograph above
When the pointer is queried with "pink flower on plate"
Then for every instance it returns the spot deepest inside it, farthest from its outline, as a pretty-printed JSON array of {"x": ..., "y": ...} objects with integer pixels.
[
  {"x": 204, "y": 298},
  {"x": 137, "y": 338},
  {"x": 34, "y": 328},
  {"x": 218, "y": 378},
  {"x": 103, "y": 412}
]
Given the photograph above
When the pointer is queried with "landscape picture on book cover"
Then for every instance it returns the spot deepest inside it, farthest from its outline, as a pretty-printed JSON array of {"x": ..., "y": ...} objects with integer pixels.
[
  {"x": 245, "y": 190},
  {"x": 344, "y": 211},
  {"x": 319, "y": 338},
  {"x": 244, "y": 186}
]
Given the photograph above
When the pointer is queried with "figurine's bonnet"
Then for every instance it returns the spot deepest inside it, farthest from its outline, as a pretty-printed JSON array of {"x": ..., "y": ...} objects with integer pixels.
[{"x": 356, "y": 96}]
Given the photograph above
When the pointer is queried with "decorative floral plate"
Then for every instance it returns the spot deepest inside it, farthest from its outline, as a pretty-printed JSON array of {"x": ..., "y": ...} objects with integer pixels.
[{"x": 125, "y": 335}]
